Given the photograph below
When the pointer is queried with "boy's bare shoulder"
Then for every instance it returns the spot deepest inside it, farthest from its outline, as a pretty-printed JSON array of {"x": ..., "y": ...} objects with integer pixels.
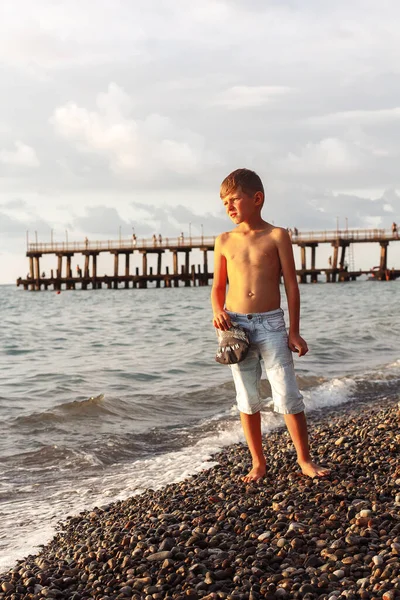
[
  {"x": 222, "y": 238},
  {"x": 279, "y": 234}
]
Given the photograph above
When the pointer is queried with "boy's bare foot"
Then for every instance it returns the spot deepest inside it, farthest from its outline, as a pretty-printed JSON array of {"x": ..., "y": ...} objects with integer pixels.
[
  {"x": 256, "y": 473},
  {"x": 311, "y": 469}
]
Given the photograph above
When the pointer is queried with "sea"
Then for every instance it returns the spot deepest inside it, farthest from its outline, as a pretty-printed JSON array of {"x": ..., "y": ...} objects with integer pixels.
[{"x": 106, "y": 393}]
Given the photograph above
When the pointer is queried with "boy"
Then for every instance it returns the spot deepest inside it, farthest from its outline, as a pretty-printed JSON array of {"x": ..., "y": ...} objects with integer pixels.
[{"x": 253, "y": 256}]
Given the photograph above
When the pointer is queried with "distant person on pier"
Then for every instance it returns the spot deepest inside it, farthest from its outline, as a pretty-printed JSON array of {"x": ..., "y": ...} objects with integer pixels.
[
  {"x": 394, "y": 229},
  {"x": 86, "y": 242},
  {"x": 160, "y": 239},
  {"x": 295, "y": 231},
  {"x": 252, "y": 256},
  {"x": 154, "y": 239},
  {"x": 134, "y": 239}
]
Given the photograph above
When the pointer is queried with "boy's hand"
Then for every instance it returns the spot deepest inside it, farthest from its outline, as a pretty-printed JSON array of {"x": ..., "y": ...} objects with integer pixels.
[
  {"x": 297, "y": 344},
  {"x": 222, "y": 321}
]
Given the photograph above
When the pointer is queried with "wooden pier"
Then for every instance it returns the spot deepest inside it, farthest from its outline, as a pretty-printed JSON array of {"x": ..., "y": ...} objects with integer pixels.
[{"x": 62, "y": 276}]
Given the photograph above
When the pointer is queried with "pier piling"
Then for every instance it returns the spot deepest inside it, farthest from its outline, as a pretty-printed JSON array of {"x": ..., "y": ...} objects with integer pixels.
[
  {"x": 334, "y": 261},
  {"x": 314, "y": 274},
  {"x": 343, "y": 255},
  {"x": 383, "y": 258}
]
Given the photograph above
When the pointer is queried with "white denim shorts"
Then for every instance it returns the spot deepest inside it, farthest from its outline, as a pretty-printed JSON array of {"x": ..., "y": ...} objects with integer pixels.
[{"x": 268, "y": 342}]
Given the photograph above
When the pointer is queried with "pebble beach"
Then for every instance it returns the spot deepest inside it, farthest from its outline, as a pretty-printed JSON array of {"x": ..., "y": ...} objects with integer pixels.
[{"x": 214, "y": 537}]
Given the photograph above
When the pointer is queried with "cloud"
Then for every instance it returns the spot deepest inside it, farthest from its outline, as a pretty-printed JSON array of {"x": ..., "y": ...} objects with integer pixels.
[
  {"x": 359, "y": 117},
  {"x": 22, "y": 156},
  {"x": 146, "y": 219},
  {"x": 330, "y": 155},
  {"x": 102, "y": 220},
  {"x": 322, "y": 209},
  {"x": 15, "y": 204},
  {"x": 244, "y": 96},
  {"x": 17, "y": 226},
  {"x": 137, "y": 148}
]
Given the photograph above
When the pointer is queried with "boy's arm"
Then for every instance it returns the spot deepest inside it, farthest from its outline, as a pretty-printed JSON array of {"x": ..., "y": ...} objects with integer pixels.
[
  {"x": 221, "y": 318},
  {"x": 285, "y": 251}
]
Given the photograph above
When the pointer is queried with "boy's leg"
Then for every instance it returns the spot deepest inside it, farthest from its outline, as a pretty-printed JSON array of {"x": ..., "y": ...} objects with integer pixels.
[
  {"x": 297, "y": 427},
  {"x": 285, "y": 392},
  {"x": 252, "y": 430},
  {"x": 246, "y": 376}
]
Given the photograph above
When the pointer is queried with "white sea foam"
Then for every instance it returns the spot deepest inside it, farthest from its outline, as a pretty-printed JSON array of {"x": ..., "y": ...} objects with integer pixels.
[
  {"x": 329, "y": 393},
  {"x": 394, "y": 364}
]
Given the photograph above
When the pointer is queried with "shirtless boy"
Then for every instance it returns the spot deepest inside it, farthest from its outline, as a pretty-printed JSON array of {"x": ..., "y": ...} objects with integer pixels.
[{"x": 252, "y": 257}]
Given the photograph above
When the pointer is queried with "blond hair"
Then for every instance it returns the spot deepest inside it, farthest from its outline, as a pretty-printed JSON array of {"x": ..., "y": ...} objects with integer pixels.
[{"x": 247, "y": 180}]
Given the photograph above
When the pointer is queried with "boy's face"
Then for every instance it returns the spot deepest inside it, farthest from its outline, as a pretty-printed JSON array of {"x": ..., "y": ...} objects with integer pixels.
[{"x": 241, "y": 206}]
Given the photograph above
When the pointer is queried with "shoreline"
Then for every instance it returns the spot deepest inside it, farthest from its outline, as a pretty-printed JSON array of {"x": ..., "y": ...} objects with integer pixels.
[{"x": 213, "y": 536}]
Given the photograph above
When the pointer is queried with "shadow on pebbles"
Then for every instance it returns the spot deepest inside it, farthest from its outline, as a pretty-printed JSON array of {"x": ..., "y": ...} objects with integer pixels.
[{"x": 214, "y": 537}]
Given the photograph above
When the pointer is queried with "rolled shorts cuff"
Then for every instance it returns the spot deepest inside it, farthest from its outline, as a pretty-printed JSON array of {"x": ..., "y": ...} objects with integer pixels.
[
  {"x": 289, "y": 407},
  {"x": 249, "y": 407}
]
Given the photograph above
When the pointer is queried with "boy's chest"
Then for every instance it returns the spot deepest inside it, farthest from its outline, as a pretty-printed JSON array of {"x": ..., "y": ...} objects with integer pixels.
[{"x": 260, "y": 253}]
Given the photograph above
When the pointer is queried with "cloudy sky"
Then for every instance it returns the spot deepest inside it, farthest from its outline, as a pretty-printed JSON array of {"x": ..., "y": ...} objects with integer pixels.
[{"x": 118, "y": 113}]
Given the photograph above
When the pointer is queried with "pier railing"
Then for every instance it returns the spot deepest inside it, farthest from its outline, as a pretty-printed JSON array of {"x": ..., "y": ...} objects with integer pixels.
[
  {"x": 353, "y": 235},
  {"x": 122, "y": 244},
  {"x": 131, "y": 243}
]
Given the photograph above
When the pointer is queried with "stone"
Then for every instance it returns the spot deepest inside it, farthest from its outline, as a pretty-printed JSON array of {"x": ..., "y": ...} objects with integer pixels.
[
  {"x": 294, "y": 526},
  {"x": 340, "y": 441},
  {"x": 49, "y": 592},
  {"x": 152, "y": 589},
  {"x": 166, "y": 544},
  {"x": 126, "y": 590},
  {"x": 159, "y": 555},
  {"x": 307, "y": 588},
  {"x": 313, "y": 561},
  {"x": 339, "y": 573}
]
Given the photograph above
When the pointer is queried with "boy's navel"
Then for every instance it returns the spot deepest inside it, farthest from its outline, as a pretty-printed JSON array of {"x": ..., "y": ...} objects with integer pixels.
[{"x": 250, "y": 294}]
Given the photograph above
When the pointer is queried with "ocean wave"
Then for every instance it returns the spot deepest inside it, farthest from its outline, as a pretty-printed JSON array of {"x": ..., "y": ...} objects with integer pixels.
[
  {"x": 86, "y": 449},
  {"x": 187, "y": 406},
  {"x": 77, "y": 409},
  {"x": 49, "y": 458}
]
